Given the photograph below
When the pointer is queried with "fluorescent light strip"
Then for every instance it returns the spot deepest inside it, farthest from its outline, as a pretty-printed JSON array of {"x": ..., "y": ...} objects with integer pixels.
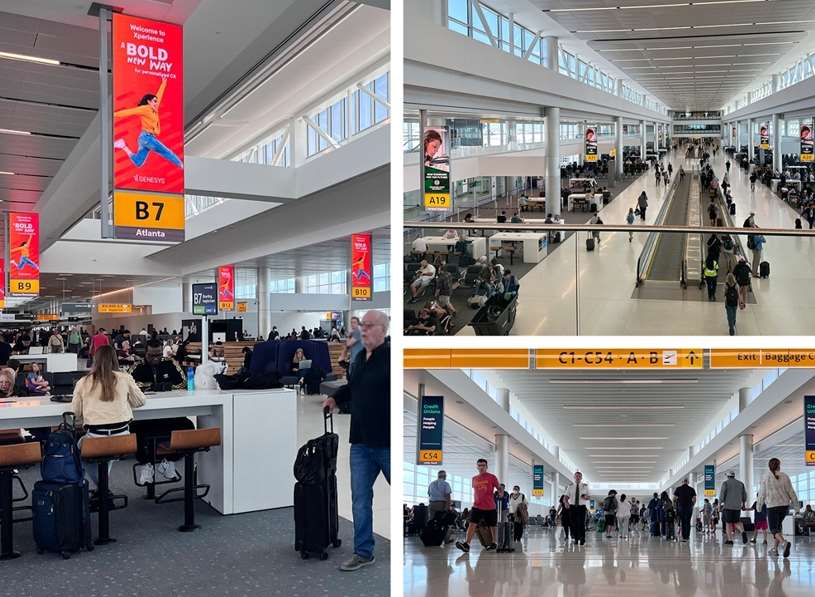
[
  {"x": 655, "y": 439},
  {"x": 13, "y": 132},
  {"x": 629, "y": 462},
  {"x": 28, "y": 58},
  {"x": 621, "y": 381},
  {"x": 623, "y": 425},
  {"x": 632, "y": 448},
  {"x": 623, "y": 407},
  {"x": 617, "y": 456},
  {"x": 7, "y": 173}
]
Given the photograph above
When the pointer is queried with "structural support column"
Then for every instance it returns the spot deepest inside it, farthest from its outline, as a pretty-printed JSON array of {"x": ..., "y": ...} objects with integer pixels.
[
  {"x": 618, "y": 144},
  {"x": 552, "y": 150},
  {"x": 749, "y": 141},
  {"x": 746, "y": 463},
  {"x": 643, "y": 139},
  {"x": 744, "y": 398},
  {"x": 777, "y": 142},
  {"x": 550, "y": 48},
  {"x": 502, "y": 457},
  {"x": 264, "y": 308}
]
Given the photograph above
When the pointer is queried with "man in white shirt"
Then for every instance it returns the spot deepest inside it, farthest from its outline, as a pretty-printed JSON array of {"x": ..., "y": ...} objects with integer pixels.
[
  {"x": 426, "y": 274},
  {"x": 418, "y": 247},
  {"x": 578, "y": 493}
]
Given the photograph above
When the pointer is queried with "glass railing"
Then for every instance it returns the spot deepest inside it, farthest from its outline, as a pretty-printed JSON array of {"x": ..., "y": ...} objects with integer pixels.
[{"x": 582, "y": 279}]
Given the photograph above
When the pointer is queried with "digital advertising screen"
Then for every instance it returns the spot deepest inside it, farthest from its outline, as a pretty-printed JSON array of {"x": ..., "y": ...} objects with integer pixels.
[{"x": 24, "y": 253}]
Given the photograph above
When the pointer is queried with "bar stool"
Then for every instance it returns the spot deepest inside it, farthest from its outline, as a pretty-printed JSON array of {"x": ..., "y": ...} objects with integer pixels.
[
  {"x": 102, "y": 450},
  {"x": 187, "y": 443},
  {"x": 11, "y": 457}
]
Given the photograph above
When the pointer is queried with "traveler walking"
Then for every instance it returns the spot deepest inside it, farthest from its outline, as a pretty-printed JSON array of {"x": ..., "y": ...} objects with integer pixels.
[
  {"x": 610, "y": 507},
  {"x": 755, "y": 242},
  {"x": 752, "y": 182},
  {"x": 440, "y": 494},
  {"x": 731, "y": 302},
  {"x": 596, "y": 221},
  {"x": 483, "y": 510},
  {"x": 760, "y": 521},
  {"x": 642, "y": 205},
  {"x": 623, "y": 516},
  {"x": 707, "y": 516},
  {"x": 578, "y": 493},
  {"x": 668, "y": 518},
  {"x": 733, "y": 496},
  {"x": 742, "y": 274},
  {"x": 630, "y": 220},
  {"x": 653, "y": 514},
  {"x": 368, "y": 381},
  {"x": 711, "y": 274},
  {"x": 777, "y": 493},
  {"x": 685, "y": 501},
  {"x": 563, "y": 512},
  {"x": 518, "y": 512}
]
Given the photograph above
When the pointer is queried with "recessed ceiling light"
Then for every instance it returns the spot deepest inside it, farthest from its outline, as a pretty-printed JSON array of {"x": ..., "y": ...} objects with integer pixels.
[
  {"x": 8, "y": 173},
  {"x": 27, "y": 58},
  {"x": 724, "y": 25},
  {"x": 625, "y": 438},
  {"x": 637, "y": 448},
  {"x": 623, "y": 407},
  {"x": 623, "y": 425}
]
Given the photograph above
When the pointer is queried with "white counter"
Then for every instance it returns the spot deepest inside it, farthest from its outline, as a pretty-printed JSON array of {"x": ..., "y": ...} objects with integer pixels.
[
  {"x": 535, "y": 244},
  {"x": 55, "y": 362},
  {"x": 448, "y": 244},
  {"x": 250, "y": 470}
]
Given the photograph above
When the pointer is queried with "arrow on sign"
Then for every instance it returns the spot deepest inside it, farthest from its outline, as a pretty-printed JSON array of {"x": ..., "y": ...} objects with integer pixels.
[{"x": 692, "y": 357}]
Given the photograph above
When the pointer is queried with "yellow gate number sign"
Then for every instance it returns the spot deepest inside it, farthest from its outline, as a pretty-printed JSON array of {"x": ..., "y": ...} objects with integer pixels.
[
  {"x": 148, "y": 216},
  {"x": 361, "y": 292},
  {"x": 24, "y": 286},
  {"x": 437, "y": 200},
  {"x": 430, "y": 456}
]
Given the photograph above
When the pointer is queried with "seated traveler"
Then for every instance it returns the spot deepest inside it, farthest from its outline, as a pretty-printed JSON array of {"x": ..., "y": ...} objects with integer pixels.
[
  {"x": 157, "y": 373},
  {"x": 35, "y": 383},
  {"x": 104, "y": 399}
]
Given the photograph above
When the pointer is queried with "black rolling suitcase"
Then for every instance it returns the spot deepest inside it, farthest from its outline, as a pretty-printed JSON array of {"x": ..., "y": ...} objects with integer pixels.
[
  {"x": 504, "y": 531},
  {"x": 434, "y": 532},
  {"x": 590, "y": 243},
  {"x": 316, "y": 521},
  {"x": 61, "y": 516},
  {"x": 764, "y": 269},
  {"x": 733, "y": 209}
]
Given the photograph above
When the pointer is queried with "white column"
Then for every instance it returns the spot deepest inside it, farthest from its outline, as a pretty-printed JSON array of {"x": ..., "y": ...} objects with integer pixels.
[
  {"x": 264, "y": 308},
  {"x": 550, "y": 46},
  {"x": 749, "y": 141},
  {"x": 777, "y": 142},
  {"x": 746, "y": 464},
  {"x": 581, "y": 135},
  {"x": 502, "y": 457},
  {"x": 618, "y": 143},
  {"x": 643, "y": 139},
  {"x": 503, "y": 398},
  {"x": 776, "y": 80},
  {"x": 552, "y": 151},
  {"x": 744, "y": 397}
]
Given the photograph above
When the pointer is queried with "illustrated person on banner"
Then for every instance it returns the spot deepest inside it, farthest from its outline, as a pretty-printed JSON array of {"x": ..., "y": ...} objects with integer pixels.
[
  {"x": 148, "y": 141},
  {"x": 24, "y": 259},
  {"x": 433, "y": 147}
]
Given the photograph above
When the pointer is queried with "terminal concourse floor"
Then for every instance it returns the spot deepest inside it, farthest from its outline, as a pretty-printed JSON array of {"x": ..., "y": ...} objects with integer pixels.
[
  {"x": 610, "y": 568},
  {"x": 244, "y": 554},
  {"x": 546, "y": 305}
]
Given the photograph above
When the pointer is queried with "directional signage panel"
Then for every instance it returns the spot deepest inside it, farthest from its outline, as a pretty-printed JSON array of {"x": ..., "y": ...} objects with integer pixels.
[
  {"x": 619, "y": 358},
  {"x": 809, "y": 430},
  {"x": 537, "y": 480},
  {"x": 729, "y": 358},
  {"x": 205, "y": 299},
  {"x": 710, "y": 480},
  {"x": 431, "y": 430}
]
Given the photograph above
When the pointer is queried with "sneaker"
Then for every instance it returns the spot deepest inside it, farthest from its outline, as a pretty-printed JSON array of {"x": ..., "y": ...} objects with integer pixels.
[
  {"x": 787, "y": 547},
  {"x": 119, "y": 144},
  {"x": 491, "y": 547},
  {"x": 752, "y": 541},
  {"x": 166, "y": 469},
  {"x": 772, "y": 552},
  {"x": 356, "y": 562},
  {"x": 463, "y": 546},
  {"x": 728, "y": 543},
  {"x": 146, "y": 474},
  {"x": 744, "y": 537}
]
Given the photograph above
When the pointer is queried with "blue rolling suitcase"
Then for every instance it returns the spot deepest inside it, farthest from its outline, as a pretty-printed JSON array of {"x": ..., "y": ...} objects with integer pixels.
[{"x": 61, "y": 515}]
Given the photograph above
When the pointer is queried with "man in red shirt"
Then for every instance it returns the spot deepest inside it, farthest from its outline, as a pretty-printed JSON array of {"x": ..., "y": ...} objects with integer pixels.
[{"x": 483, "y": 509}]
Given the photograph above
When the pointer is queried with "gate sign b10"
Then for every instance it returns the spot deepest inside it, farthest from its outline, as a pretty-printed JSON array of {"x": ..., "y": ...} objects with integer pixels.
[
  {"x": 537, "y": 480},
  {"x": 205, "y": 299},
  {"x": 431, "y": 429}
]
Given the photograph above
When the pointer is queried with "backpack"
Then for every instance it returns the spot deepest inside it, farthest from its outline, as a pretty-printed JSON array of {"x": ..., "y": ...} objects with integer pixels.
[
  {"x": 727, "y": 242},
  {"x": 610, "y": 505},
  {"x": 731, "y": 296},
  {"x": 61, "y": 462}
]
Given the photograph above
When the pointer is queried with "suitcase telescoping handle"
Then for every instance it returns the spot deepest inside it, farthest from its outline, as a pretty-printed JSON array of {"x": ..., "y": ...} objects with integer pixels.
[
  {"x": 68, "y": 421},
  {"x": 328, "y": 419}
]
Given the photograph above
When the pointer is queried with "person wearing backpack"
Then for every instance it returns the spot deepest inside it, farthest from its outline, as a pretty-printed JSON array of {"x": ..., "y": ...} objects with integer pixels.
[
  {"x": 610, "y": 506},
  {"x": 731, "y": 302},
  {"x": 518, "y": 512},
  {"x": 742, "y": 274},
  {"x": 104, "y": 399}
]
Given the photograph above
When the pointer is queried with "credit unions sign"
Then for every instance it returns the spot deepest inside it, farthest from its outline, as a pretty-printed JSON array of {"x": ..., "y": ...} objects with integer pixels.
[
  {"x": 537, "y": 480},
  {"x": 436, "y": 170},
  {"x": 148, "y": 129},
  {"x": 23, "y": 253},
  {"x": 809, "y": 429},
  {"x": 431, "y": 430},
  {"x": 226, "y": 288},
  {"x": 710, "y": 480},
  {"x": 361, "y": 268}
]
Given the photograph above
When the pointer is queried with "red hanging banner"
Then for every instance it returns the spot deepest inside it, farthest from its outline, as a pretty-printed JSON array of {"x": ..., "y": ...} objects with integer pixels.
[
  {"x": 361, "y": 270},
  {"x": 226, "y": 288},
  {"x": 24, "y": 253},
  {"x": 2, "y": 284}
]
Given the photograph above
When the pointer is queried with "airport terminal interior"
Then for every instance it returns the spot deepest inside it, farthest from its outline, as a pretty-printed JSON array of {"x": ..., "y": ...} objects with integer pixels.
[
  {"x": 635, "y": 423},
  {"x": 205, "y": 187},
  {"x": 547, "y": 112}
]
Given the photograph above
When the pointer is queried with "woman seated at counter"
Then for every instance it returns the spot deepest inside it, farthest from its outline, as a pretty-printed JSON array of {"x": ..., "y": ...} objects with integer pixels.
[
  {"x": 310, "y": 377},
  {"x": 104, "y": 400},
  {"x": 7, "y": 378}
]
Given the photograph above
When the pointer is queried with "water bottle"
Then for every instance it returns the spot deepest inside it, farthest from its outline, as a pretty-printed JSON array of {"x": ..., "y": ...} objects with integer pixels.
[{"x": 190, "y": 379}]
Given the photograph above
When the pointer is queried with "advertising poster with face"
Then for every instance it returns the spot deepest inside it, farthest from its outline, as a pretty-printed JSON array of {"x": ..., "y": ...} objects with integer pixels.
[
  {"x": 806, "y": 143},
  {"x": 591, "y": 145},
  {"x": 436, "y": 159}
]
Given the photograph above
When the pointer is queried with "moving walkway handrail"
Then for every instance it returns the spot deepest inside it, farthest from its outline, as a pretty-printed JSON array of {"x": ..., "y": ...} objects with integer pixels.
[{"x": 649, "y": 248}]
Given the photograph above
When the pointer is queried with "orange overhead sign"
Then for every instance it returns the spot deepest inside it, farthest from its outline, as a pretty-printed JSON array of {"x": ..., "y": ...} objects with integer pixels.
[
  {"x": 466, "y": 358},
  {"x": 47, "y": 317},
  {"x": 620, "y": 358},
  {"x": 771, "y": 358},
  {"x": 114, "y": 308}
]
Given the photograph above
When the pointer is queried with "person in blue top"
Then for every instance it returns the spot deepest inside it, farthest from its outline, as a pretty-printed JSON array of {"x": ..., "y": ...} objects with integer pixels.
[{"x": 755, "y": 242}]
